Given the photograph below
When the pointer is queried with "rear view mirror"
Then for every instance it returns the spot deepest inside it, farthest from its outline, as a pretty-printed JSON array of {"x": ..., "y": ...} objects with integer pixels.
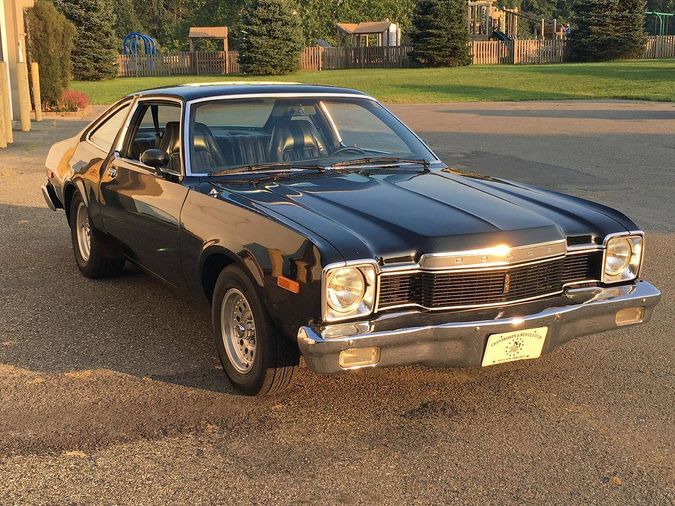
[{"x": 155, "y": 158}]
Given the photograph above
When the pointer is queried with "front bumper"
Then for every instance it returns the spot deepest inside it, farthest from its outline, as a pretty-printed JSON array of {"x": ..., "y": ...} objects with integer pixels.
[
  {"x": 459, "y": 339},
  {"x": 50, "y": 197}
]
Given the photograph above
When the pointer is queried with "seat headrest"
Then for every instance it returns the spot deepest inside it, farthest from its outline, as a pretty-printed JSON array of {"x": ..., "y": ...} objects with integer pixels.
[
  {"x": 171, "y": 138},
  {"x": 295, "y": 136}
]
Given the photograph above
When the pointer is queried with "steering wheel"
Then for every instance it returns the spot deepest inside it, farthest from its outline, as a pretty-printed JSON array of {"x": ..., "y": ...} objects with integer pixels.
[{"x": 349, "y": 149}]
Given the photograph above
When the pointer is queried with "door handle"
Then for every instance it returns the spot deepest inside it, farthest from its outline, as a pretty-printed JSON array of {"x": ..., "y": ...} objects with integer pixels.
[{"x": 112, "y": 172}]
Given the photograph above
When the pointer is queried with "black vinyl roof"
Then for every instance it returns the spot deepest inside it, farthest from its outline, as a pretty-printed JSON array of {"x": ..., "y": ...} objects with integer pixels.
[{"x": 190, "y": 92}]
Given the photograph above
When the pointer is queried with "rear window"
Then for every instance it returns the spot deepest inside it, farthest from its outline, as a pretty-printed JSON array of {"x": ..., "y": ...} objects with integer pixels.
[{"x": 235, "y": 114}]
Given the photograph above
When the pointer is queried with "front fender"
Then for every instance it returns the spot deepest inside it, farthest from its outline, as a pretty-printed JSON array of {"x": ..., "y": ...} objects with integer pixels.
[{"x": 266, "y": 249}]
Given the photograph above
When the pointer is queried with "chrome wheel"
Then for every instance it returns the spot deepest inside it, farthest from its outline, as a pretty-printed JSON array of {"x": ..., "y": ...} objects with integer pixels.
[
  {"x": 238, "y": 330},
  {"x": 83, "y": 229}
]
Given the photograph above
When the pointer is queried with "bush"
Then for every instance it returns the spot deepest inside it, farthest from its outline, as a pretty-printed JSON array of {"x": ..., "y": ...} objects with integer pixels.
[
  {"x": 50, "y": 45},
  {"x": 95, "y": 51},
  {"x": 270, "y": 38},
  {"x": 74, "y": 101},
  {"x": 440, "y": 35}
]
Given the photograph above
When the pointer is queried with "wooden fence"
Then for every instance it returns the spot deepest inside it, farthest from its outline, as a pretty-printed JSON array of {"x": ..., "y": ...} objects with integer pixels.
[
  {"x": 178, "y": 63},
  {"x": 520, "y": 51},
  {"x": 660, "y": 47},
  {"x": 493, "y": 52},
  {"x": 366, "y": 57}
]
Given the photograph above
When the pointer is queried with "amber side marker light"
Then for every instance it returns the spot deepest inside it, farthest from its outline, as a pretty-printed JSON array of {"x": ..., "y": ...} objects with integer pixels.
[
  {"x": 359, "y": 357},
  {"x": 630, "y": 315},
  {"x": 288, "y": 284}
]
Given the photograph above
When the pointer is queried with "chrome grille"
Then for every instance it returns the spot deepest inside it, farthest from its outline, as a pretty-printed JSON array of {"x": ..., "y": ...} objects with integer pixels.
[{"x": 435, "y": 290}]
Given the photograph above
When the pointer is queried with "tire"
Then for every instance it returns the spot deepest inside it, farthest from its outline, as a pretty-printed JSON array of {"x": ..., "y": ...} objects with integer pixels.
[
  {"x": 255, "y": 357},
  {"x": 95, "y": 255}
]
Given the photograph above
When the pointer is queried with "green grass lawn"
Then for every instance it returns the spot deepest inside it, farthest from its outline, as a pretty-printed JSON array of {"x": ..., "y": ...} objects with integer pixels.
[{"x": 637, "y": 80}]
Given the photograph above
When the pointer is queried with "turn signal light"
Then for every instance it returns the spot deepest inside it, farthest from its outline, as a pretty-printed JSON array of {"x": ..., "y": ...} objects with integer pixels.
[
  {"x": 630, "y": 315},
  {"x": 359, "y": 357}
]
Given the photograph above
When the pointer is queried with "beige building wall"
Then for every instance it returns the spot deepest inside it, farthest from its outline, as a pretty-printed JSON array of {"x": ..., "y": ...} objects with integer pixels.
[{"x": 13, "y": 43}]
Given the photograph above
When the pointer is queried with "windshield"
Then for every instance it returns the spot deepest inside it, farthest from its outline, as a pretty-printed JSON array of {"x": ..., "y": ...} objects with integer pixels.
[{"x": 228, "y": 134}]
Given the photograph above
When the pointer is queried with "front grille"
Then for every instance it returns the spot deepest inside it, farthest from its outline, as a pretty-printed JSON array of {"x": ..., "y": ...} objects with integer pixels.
[{"x": 435, "y": 290}]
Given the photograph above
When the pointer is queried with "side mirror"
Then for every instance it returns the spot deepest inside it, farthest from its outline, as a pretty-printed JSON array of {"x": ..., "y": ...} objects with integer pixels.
[{"x": 155, "y": 158}]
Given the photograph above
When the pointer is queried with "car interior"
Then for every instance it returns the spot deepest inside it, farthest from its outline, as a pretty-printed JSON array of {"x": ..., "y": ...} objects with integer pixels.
[{"x": 229, "y": 134}]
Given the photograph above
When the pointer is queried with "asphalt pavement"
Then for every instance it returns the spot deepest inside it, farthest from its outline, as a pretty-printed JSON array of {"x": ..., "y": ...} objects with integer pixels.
[{"x": 111, "y": 390}]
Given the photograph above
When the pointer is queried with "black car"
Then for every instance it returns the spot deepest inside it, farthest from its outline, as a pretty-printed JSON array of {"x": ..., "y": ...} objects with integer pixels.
[{"x": 316, "y": 223}]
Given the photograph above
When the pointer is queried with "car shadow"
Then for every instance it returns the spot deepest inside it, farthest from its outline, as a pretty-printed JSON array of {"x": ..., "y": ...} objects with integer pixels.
[{"x": 58, "y": 321}]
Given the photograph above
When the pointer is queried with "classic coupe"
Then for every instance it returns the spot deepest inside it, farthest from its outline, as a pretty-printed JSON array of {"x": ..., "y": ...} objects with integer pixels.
[{"x": 315, "y": 223}]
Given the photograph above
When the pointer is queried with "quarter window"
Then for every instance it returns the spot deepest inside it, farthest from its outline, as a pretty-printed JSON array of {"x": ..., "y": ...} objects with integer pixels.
[{"x": 105, "y": 134}]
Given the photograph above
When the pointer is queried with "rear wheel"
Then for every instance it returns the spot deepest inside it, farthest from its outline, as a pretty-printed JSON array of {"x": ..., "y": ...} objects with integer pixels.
[
  {"x": 94, "y": 253},
  {"x": 255, "y": 357}
]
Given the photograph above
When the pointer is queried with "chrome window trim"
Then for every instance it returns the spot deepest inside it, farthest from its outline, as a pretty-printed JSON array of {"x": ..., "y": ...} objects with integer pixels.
[
  {"x": 243, "y": 96},
  {"x": 93, "y": 127},
  {"x": 125, "y": 130}
]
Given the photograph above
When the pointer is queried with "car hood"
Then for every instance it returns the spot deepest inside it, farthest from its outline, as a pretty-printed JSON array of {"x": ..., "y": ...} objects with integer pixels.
[{"x": 397, "y": 216}]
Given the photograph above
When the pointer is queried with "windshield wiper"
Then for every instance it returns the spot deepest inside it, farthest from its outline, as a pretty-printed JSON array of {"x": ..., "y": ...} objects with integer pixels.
[
  {"x": 380, "y": 161},
  {"x": 264, "y": 167}
]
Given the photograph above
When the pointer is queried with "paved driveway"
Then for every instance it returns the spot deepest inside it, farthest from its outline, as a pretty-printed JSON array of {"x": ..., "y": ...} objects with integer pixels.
[{"x": 110, "y": 391}]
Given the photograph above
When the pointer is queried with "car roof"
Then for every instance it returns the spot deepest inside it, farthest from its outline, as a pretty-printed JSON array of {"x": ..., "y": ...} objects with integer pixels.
[{"x": 194, "y": 91}]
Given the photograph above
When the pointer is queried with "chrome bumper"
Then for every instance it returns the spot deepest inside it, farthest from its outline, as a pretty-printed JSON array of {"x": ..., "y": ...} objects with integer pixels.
[
  {"x": 430, "y": 339},
  {"x": 50, "y": 197}
]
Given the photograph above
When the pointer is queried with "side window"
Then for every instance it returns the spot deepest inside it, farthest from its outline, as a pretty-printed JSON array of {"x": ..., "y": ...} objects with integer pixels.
[
  {"x": 105, "y": 133},
  {"x": 156, "y": 126}
]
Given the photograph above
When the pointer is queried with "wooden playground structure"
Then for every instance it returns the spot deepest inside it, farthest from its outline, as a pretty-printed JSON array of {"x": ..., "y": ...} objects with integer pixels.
[{"x": 487, "y": 21}]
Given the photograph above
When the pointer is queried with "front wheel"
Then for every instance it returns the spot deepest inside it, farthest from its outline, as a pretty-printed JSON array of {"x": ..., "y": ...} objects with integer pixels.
[{"x": 255, "y": 357}]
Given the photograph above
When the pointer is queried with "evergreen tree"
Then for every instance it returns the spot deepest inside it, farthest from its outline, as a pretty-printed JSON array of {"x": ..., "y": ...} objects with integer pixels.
[
  {"x": 270, "y": 37},
  {"x": 127, "y": 19},
  {"x": 94, "y": 54},
  {"x": 607, "y": 29},
  {"x": 594, "y": 30},
  {"x": 439, "y": 34},
  {"x": 458, "y": 34},
  {"x": 429, "y": 34},
  {"x": 50, "y": 44},
  {"x": 631, "y": 30}
]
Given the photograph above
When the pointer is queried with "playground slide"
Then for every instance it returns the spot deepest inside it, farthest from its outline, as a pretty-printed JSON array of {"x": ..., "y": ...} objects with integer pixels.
[{"x": 501, "y": 36}]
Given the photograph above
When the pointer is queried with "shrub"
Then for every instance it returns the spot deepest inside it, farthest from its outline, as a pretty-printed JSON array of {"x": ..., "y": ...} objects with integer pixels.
[
  {"x": 95, "y": 51},
  {"x": 50, "y": 44},
  {"x": 270, "y": 37},
  {"x": 74, "y": 101}
]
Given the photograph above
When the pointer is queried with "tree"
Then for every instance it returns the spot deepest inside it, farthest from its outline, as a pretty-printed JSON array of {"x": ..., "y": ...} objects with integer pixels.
[
  {"x": 594, "y": 27},
  {"x": 50, "y": 44},
  {"x": 127, "y": 19},
  {"x": 270, "y": 37},
  {"x": 429, "y": 33},
  {"x": 458, "y": 34},
  {"x": 631, "y": 29},
  {"x": 439, "y": 34},
  {"x": 607, "y": 29},
  {"x": 95, "y": 53}
]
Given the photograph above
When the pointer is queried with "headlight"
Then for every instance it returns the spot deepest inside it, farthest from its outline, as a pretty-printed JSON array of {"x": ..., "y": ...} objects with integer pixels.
[
  {"x": 623, "y": 256},
  {"x": 349, "y": 291}
]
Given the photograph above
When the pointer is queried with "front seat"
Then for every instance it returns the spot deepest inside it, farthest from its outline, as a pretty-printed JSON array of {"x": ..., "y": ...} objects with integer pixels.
[
  {"x": 205, "y": 155},
  {"x": 294, "y": 141},
  {"x": 170, "y": 144}
]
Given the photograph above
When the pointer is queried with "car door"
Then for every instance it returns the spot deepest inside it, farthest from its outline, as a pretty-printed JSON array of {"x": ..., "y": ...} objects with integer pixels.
[{"x": 141, "y": 206}]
